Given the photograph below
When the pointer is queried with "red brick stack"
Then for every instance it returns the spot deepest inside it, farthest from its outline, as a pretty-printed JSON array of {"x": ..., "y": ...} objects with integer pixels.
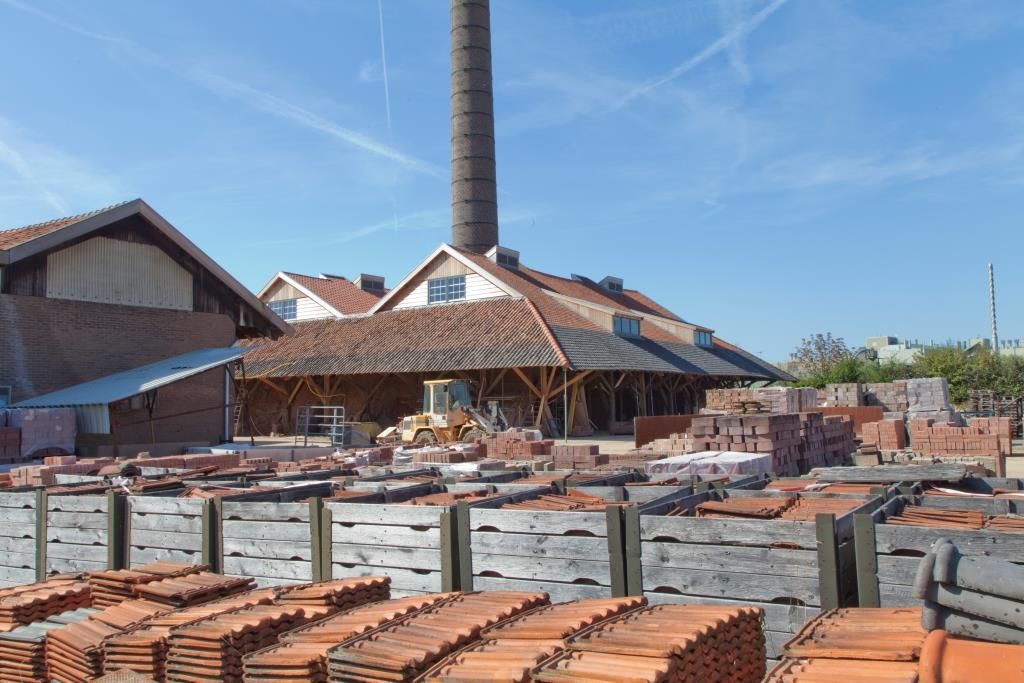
[
  {"x": 778, "y": 435},
  {"x": 886, "y": 435},
  {"x": 578, "y": 457},
  {"x": 812, "y": 441},
  {"x": 516, "y": 444},
  {"x": 10, "y": 444},
  {"x": 984, "y": 437},
  {"x": 839, "y": 443}
]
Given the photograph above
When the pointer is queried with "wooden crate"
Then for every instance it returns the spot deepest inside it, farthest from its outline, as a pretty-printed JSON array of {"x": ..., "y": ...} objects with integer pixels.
[
  {"x": 77, "y": 533},
  {"x": 888, "y": 555},
  {"x": 166, "y": 528},
  {"x": 788, "y": 568},
  {"x": 411, "y": 544},
  {"x": 271, "y": 541},
  {"x": 18, "y": 535}
]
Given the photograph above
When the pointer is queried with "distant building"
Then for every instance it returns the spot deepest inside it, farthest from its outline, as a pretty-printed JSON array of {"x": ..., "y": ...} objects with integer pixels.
[{"x": 893, "y": 350}]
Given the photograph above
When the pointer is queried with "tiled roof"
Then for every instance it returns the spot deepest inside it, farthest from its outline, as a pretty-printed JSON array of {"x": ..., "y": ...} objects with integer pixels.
[
  {"x": 496, "y": 333},
  {"x": 14, "y": 237},
  {"x": 338, "y": 292},
  {"x": 628, "y": 300}
]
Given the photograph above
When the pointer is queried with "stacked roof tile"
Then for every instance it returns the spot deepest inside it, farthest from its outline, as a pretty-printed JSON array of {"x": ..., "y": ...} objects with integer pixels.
[
  {"x": 23, "y": 649},
  {"x": 114, "y": 586},
  {"x": 26, "y": 604}
]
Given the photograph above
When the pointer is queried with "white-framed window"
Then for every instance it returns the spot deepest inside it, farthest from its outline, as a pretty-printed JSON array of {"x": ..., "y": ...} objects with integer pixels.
[
  {"x": 5, "y": 396},
  {"x": 443, "y": 289},
  {"x": 702, "y": 338},
  {"x": 286, "y": 308},
  {"x": 626, "y": 327}
]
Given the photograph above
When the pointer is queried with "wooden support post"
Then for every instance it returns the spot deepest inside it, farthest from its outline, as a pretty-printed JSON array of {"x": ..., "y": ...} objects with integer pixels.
[
  {"x": 326, "y": 543},
  {"x": 213, "y": 543},
  {"x": 616, "y": 550},
  {"x": 41, "y": 503},
  {"x": 867, "y": 561},
  {"x": 464, "y": 556},
  {"x": 828, "y": 561},
  {"x": 117, "y": 531},
  {"x": 316, "y": 530},
  {"x": 634, "y": 566}
]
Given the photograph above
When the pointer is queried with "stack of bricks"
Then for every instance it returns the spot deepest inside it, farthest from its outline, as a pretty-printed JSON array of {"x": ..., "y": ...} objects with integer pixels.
[
  {"x": 771, "y": 399},
  {"x": 255, "y": 462},
  {"x": 446, "y": 456},
  {"x": 839, "y": 443},
  {"x": 891, "y": 397},
  {"x": 812, "y": 441},
  {"x": 777, "y": 435},
  {"x": 516, "y": 444},
  {"x": 578, "y": 457},
  {"x": 845, "y": 395},
  {"x": 988, "y": 437},
  {"x": 46, "y": 475},
  {"x": 886, "y": 435}
]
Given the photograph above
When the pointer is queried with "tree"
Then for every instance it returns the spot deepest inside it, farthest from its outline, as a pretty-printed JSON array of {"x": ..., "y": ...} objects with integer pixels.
[{"x": 819, "y": 353}]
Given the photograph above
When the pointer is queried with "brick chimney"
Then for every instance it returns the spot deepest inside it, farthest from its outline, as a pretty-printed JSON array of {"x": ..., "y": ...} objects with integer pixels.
[{"x": 474, "y": 186}]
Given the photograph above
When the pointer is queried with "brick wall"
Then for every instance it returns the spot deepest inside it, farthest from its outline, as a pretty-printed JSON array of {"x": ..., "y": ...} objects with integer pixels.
[{"x": 48, "y": 344}]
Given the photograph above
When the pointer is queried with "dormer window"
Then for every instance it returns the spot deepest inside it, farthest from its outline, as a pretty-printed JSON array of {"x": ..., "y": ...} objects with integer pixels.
[
  {"x": 702, "y": 338},
  {"x": 626, "y": 327},
  {"x": 612, "y": 284},
  {"x": 370, "y": 283},
  {"x": 504, "y": 256},
  {"x": 285, "y": 308}
]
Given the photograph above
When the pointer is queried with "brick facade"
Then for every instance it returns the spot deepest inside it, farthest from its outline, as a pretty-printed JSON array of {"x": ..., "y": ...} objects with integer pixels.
[{"x": 48, "y": 344}]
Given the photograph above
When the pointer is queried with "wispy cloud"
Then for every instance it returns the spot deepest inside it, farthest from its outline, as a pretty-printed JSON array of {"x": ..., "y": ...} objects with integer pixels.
[
  {"x": 248, "y": 95},
  {"x": 724, "y": 43},
  {"x": 35, "y": 171}
]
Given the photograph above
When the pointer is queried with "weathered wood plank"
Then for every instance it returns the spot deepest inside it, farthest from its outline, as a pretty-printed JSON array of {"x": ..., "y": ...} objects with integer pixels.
[
  {"x": 530, "y": 522},
  {"x": 15, "y": 545},
  {"x": 275, "y": 550},
  {"x": 897, "y": 570},
  {"x": 166, "y": 506},
  {"x": 277, "y": 569},
  {"x": 789, "y": 618},
  {"x": 740, "y": 559},
  {"x": 77, "y": 503},
  {"x": 69, "y": 551},
  {"x": 19, "y": 559},
  {"x": 759, "y": 533},
  {"x": 18, "y": 516},
  {"x": 16, "y": 530},
  {"x": 721, "y": 584},
  {"x": 396, "y": 515},
  {"x": 775, "y": 641},
  {"x": 144, "y": 538},
  {"x": 79, "y": 536},
  {"x": 266, "y": 512},
  {"x": 18, "y": 500},
  {"x": 387, "y": 556},
  {"x": 266, "y": 531},
  {"x": 997, "y": 544},
  {"x": 140, "y": 556},
  {"x": 73, "y": 565},
  {"x": 402, "y": 580},
  {"x": 17, "y": 576},
  {"x": 559, "y": 592},
  {"x": 892, "y": 595},
  {"x": 542, "y": 569},
  {"x": 536, "y": 545},
  {"x": 77, "y": 520},
  {"x": 181, "y": 525},
  {"x": 371, "y": 534}
]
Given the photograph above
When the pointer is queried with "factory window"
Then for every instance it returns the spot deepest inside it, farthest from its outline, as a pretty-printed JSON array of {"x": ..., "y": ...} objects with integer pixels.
[
  {"x": 285, "y": 308},
  {"x": 626, "y": 327},
  {"x": 509, "y": 260},
  {"x": 5, "y": 396},
  {"x": 702, "y": 338},
  {"x": 442, "y": 289}
]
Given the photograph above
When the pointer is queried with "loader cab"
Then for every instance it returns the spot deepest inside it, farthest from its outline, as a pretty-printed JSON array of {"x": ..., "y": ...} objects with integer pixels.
[{"x": 446, "y": 396}]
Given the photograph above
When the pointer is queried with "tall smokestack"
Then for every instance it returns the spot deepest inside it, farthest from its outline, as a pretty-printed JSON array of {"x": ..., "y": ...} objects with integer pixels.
[{"x": 474, "y": 186}]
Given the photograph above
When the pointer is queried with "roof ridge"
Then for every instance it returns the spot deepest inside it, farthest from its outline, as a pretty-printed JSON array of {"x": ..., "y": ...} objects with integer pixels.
[
  {"x": 548, "y": 333},
  {"x": 72, "y": 219}
]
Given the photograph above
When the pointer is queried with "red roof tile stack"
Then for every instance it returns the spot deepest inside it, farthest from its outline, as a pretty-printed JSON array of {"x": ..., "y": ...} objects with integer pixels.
[
  {"x": 34, "y": 602},
  {"x": 666, "y": 643},
  {"x": 212, "y": 650},
  {"x": 406, "y": 649},
  {"x": 752, "y": 508},
  {"x": 806, "y": 509},
  {"x": 144, "y": 650},
  {"x": 193, "y": 589},
  {"x": 854, "y": 645},
  {"x": 75, "y": 652},
  {"x": 342, "y": 594},
  {"x": 23, "y": 649},
  {"x": 302, "y": 654},
  {"x": 573, "y": 500},
  {"x": 114, "y": 586},
  {"x": 940, "y": 518},
  {"x": 511, "y": 649}
]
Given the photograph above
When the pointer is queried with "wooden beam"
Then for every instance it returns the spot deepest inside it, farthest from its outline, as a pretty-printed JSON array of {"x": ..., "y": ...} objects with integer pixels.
[
  {"x": 494, "y": 382},
  {"x": 571, "y": 382},
  {"x": 528, "y": 383},
  {"x": 621, "y": 378},
  {"x": 295, "y": 392},
  {"x": 276, "y": 387}
]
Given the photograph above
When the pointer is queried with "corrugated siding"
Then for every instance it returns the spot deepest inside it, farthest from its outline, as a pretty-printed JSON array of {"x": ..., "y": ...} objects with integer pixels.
[
  {"x": 477, "y": 288},
  {"x": 307, "y": 309},
  {"x": 113, "y": 271}
]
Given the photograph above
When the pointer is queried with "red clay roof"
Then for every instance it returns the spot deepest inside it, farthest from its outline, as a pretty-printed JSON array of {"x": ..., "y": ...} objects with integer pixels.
[
  {"x": 14, "y": 237},
  {"x": 338, "y": 292}
]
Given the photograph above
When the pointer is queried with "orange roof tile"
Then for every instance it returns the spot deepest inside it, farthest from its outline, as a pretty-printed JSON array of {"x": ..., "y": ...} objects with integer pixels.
[
  {"x": 14, "y": 237},
  {"x": 338, "y": 292}
]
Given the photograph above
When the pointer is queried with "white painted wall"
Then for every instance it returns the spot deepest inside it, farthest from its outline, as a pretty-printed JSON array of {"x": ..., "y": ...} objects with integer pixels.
[
  {"x": 477, "y": 288},
  {"x": 307, "y": 309}
]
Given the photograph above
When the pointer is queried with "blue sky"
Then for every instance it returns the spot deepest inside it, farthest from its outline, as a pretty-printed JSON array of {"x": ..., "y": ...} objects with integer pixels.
[{"x": 769, "y": 168}]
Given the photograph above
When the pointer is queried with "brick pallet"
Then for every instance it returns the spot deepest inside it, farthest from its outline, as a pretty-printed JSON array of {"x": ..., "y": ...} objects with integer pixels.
[
  {"x": 777, "y": 435},
  {"x": 847, "y": 395},
  {"x": 771, "y": 399},
  {"x": 886, "y": 435},
  {"x": 984, "y": 436}
]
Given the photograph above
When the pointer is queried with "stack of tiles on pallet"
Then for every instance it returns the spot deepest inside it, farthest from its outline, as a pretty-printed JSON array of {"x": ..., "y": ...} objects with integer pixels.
[
  {"x": 777, "y": 435},
  {"x": 402, "y": 651},
  {"x": 985, "y": 436},
  {"x": 22, "y": 605},
  {"x": 23, "y": 649},
  {"x": 665, "y": 643}
]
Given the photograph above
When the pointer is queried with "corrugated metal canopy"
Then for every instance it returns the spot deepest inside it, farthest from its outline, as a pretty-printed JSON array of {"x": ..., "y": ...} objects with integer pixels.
[{"x": 90, "y": 399}]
